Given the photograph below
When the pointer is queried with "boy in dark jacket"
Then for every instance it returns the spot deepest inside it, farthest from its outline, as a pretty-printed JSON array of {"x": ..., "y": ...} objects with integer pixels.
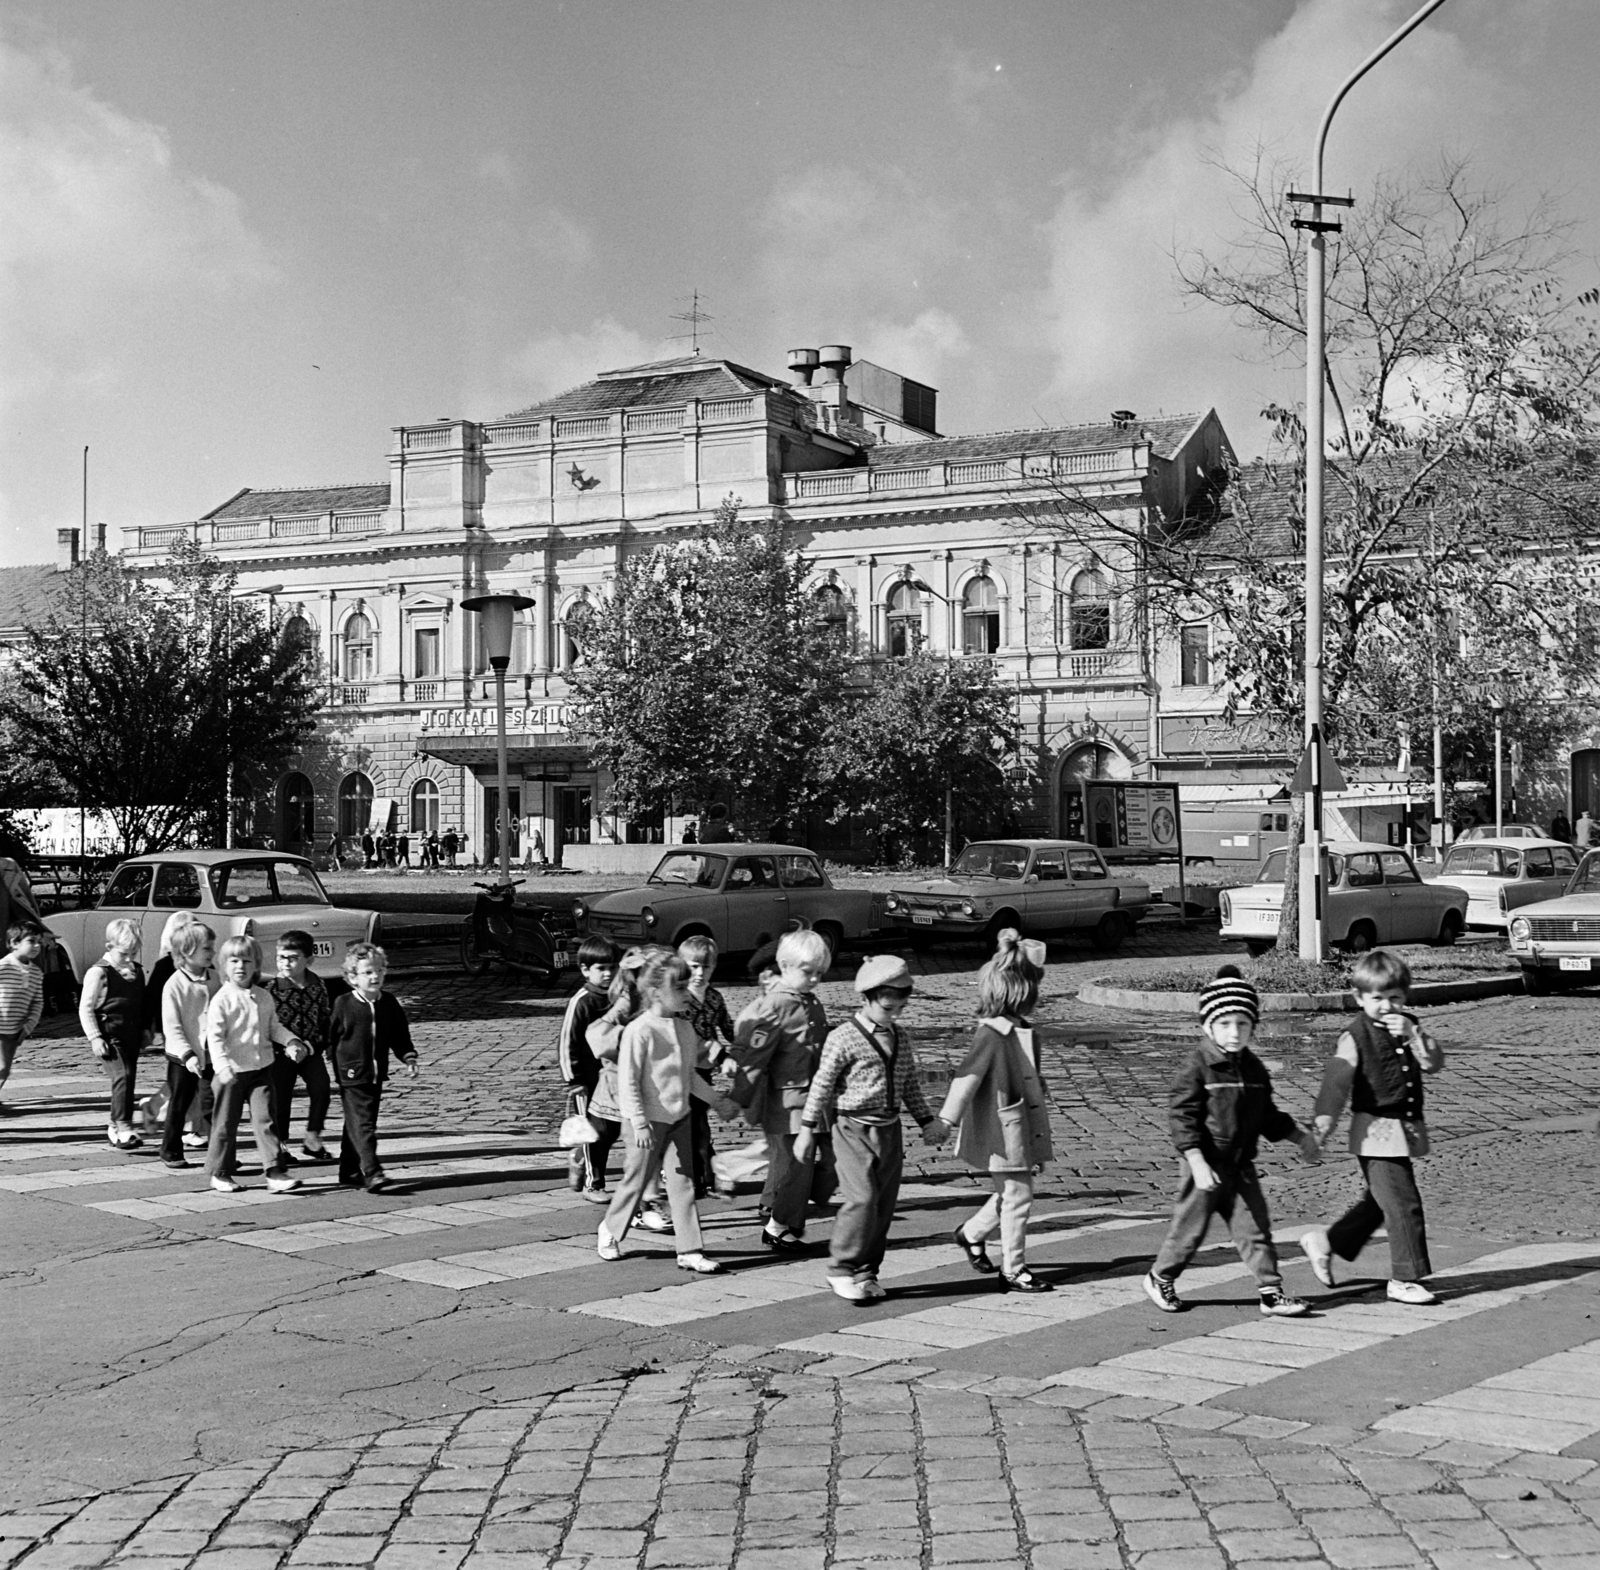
[
  {"x": 580, "y": 1068},
  {"x": 367, "y": 1028},
  {"x": 1221, "y": 1105}
]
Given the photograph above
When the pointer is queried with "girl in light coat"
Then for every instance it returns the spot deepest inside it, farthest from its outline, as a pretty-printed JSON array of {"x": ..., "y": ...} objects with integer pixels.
[{"x": 997, "y": 1097}]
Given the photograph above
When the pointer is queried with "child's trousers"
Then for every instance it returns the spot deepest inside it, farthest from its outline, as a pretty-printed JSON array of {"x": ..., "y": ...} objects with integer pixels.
[
  {"x": 1392, "y": 1201},
  {"x": 122, "y": 1067},
  {"x": 1005, "y": 1212},
  {"x": 1237, "y": 1200},
  {"x": 358, "y": 1145},
  {"x": 252, "y": 1088},
  {"x": 869, "y": 1157},
  {"x": 183, "y": 1090},
  {"x": 319, "y": 1093},
  {"x": 790, "y": 1180},
  {"x": 667, "y": 1151}
]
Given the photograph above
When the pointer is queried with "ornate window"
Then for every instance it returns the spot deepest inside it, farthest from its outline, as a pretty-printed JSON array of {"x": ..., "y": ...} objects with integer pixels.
[
  {"x": 299, "y": 810},
  {"x": 574, "y": 631},
  {"x": 297, "y": 634},
  {"x": 833, "y": 610},
  {"x": 904, "y": 622},
  {"x": 427, "y": 645},
  {"x": 360, "y": 650},
  {"x": 980, "y": 617},
  {"x": 1089, "y": 611},
  {"x": 425, "y": 807},
  {"x": 355, "y": 805}
]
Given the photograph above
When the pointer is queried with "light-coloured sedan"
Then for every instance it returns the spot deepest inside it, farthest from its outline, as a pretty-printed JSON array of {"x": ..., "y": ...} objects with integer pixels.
[
  {"x": 1500, "y": 876},
  {"x": 1375, "y": 896},
  {"x": 1560, "y": 938}
]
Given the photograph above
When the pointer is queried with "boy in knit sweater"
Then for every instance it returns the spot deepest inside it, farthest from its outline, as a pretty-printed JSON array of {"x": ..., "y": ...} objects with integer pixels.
[
  {"x": 21, "y": 989},
  {"x": 1220, "y": 1107},
  {"x": 580, "y": 1068}
]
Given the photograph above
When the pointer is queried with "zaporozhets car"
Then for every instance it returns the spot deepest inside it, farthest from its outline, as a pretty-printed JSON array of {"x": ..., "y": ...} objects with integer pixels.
[
  {"x": 739, "y": 895},
  {"x": 1560, "y": 938},
  {"x": 237, "y": 893},
  {"x": 1500, "y": 876},
  {"x": 1043, "y": 888}
]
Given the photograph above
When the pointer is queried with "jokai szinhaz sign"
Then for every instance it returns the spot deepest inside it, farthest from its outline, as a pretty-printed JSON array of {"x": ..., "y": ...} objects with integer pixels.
[{"x": 1131, "y": 818}]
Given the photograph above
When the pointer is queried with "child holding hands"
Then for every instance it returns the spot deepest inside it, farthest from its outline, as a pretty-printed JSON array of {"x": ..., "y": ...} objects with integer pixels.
[
  {"x": 185, "y": 999},
  {"x": 21, "y": 989},
  {"x": 367, "y": 1028},
  {"x": 111, "y": 1012}
]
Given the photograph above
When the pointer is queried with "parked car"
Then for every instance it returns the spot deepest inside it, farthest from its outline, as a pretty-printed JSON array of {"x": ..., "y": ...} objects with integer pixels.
[
  {"x": 1506, "y": 831},
  {"x": 1500, "y": 876},
  {"x": 1044, "y": 888},
  {"x": 1560, "y": 937},
  {"x": 1375, "y": 895},
  {"x": 741, "y": 896},
  {"x": 248, "y": 893}
]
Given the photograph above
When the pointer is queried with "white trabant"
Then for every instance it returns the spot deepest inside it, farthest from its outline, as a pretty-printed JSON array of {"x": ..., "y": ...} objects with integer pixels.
[
  {"x": 1500, "y": 876},
  {"x": 1375, "y": 896},
  {"x": 1559, "y": 938}
]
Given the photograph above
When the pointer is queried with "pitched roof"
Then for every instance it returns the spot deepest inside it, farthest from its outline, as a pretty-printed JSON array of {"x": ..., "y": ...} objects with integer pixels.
[
  {"x": 1165, "y": 433},
  {"x": 310, "y": 499},
  {"x": 663, "y": 382},
  {"x": 27, "y": 593}
]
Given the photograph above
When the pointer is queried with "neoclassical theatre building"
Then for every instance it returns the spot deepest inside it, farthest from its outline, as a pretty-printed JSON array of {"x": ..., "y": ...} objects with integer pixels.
[{"x": 918, "y": 537}]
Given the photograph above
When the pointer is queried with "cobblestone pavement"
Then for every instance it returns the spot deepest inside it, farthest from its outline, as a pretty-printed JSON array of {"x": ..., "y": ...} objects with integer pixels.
[{"x": 448, "y": 1375}]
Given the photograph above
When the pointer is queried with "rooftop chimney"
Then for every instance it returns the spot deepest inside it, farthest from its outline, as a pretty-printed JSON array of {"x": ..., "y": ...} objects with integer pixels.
[
  {"x": 1123, "y": 417},
  {"x": 835, "y": 361},
  {"x": 97, "y": 539},
  {"x": 66, "y": 549},
  {"x": 802, "y": 366}
]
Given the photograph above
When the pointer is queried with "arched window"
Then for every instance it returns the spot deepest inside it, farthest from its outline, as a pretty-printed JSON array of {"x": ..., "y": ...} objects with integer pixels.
[
  {"x": 904, "y": 619},
  {"x": 297, "y": 634},
  {"x": 1089, "y": 612},
  {"x": 355, "y": 805},
  {"x": 360, "y": 653},
  {"x": 980, "y": 617},
  {"x": 832, "y": 609},
  {"x": 574, "y": 631},
  {"x": 425, "y": 807},
  {"x": 299, "y": 818}
]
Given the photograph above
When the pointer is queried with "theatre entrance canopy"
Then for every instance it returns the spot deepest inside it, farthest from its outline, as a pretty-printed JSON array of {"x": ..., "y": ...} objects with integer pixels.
[{"x": 537, "y": 736}]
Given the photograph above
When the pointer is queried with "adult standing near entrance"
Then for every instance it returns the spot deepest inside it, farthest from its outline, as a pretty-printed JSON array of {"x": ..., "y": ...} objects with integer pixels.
[
  {"x": 369, "y": 849},
  {"x": 403, "y": 857},
  {"x": 450, "y": 844},
  {"x": 1585, "y": 830},
  {"x": 1561, "y": 828},
  {"x": 716, "y": 829}
]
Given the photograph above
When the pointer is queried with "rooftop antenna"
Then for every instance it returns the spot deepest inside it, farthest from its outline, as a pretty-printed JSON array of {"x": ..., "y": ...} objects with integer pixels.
[{"x": 696, "y": 318}]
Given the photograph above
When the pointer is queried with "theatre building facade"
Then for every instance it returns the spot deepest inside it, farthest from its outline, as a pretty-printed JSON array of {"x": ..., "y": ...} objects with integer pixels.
[{"x": 915, "y": 538}]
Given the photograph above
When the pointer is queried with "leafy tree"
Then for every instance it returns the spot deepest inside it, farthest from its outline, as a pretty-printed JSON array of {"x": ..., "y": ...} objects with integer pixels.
[
  {"x": 710, "y": 674},
  {"x": 141, "y": 692},
  {"x": 919, "y": 728}
]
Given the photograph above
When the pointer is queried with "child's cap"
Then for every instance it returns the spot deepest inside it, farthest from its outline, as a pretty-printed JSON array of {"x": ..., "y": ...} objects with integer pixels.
[
  {"x": 884, "y": 970},
  {"x": 1230, "y": 993}
]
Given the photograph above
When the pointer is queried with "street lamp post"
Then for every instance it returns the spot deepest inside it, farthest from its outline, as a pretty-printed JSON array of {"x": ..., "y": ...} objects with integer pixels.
[
  {"x": 1311, "y": 934},
  {"x": 1497, "y": 706},
  {"x": 498, "y": 613},
  {"x": 949, "y": 785}
]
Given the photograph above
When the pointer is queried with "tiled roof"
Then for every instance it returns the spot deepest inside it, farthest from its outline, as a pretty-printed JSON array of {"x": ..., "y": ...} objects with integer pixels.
[
  {"x": 316, "y": 498},
  {"x": 27, "y": 593},
  {"x": 1165, "y": 433},
  {"x": 665, "y": 382}
]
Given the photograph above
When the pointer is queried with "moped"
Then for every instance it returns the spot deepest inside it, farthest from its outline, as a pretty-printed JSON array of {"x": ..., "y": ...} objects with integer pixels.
[{"x": 541, "y": 938}]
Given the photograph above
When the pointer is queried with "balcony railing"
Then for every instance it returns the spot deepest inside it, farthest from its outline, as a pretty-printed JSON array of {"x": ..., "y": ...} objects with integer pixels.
[
  {"x": 428, "y": 437},
  {"x": 726, "y": 409},
  {"x": 655, "y": 420},
  {"x": 425, "y": 692},
  {"x": 234, "y": 531},
  {"x": 954, "y": 474},
  {"x": 517, "y": 433},
  {"x": 586, "y": 425},
  {"x": 349, "y": 696}
]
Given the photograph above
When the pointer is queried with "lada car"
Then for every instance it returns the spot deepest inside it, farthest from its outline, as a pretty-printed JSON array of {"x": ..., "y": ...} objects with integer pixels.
[
  {"x": 1500, "y": 876},
  {"x": 1043, "y": 888},
  {"x": 739, "y": 895},
  {"x": 237, "y": 893},
  {"x": 1374, "y": 896},
  {"x": 1560, "y": 937}
]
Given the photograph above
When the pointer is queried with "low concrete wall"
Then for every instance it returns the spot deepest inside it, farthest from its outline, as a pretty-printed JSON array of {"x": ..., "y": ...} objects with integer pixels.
[{"x": 641, "y": 859}]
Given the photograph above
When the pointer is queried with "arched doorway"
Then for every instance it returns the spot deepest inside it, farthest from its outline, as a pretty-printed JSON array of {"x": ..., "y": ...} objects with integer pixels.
[
  {"x": 1586, "y": 782},
  {"x": 297, "y": 818},
  {"x": 1093, "y": 760},
  {"x": 355, "y": 805},
  {"x": 425, "y": 807}
]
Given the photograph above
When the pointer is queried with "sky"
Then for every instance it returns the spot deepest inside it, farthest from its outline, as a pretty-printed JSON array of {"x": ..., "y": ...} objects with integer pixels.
[{"x": 241, "y": 240}]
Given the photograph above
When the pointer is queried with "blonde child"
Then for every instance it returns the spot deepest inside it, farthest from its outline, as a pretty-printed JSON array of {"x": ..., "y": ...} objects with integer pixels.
[
  {"x": 1377, "y": 1068},
  {"x": 242, "y": 1026},
  {"x": 997, "y": 1097},
  {"x": 707, "y": 1013},
  {"x": 185, "y": 998},
  {"x": 656, "y": 1082},
  {"x": 367, "y": 1028},
  {"x": 21, "y": 989},
  {"x": 111, "y": 1011}
]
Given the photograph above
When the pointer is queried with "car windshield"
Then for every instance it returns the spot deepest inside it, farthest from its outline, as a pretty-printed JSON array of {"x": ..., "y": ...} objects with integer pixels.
[
  {"x": 1272, "y": 868},
  {"x": 1481, "y": 860},
  {"x": 1586, "y": 880},
  {"x": 241, "y": 885},
  {"x": 691, "y": 868},
  {"x": 991, "y": 861}
]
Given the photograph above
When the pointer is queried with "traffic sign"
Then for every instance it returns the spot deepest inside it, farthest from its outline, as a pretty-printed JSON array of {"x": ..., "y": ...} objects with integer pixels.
[{"x": 1331, "y": 776}]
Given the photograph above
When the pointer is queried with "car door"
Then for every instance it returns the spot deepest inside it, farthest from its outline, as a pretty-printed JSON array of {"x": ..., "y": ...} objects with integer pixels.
[
  {"x": 1414, "y": 914},
  {"x": 756, "y": 903},
  {"x": 807, "y": 895},
  {"x": 1091, "y": 888},
  {"x": 1363, "y": 898},
  {"x": 1545, "y": 871},
  {"x": 127, "y": 895},
  {"x": 177, "y": 887},
  {"x": 1050, "y": 896}
]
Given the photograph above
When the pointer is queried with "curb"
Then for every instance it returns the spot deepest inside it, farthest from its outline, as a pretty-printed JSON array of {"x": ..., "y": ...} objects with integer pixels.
[{"x": 1102, "y": 996}]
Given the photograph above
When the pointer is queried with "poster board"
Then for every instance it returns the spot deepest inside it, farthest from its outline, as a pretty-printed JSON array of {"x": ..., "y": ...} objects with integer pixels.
[{"x": 1131, "y": 819}]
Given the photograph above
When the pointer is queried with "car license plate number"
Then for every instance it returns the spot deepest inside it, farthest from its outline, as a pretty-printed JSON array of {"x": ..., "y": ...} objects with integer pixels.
[
  {"x": 561, "y": 959},
  {"x": 1271, "y": 917},
  {"x": 321, "y": 949},
  {"x": 921, "y": 918},
  {"x": 1575, "y": 962}
]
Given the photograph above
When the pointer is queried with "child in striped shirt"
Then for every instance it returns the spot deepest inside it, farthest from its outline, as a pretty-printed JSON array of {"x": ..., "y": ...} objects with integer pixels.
[
  {"x": 21, "y": 989},
  {"x": 867, "y": 1074}
]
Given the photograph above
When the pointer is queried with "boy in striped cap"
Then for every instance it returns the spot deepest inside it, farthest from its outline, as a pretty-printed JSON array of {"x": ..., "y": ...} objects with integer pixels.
[{"x": 1220, "y": 1106}]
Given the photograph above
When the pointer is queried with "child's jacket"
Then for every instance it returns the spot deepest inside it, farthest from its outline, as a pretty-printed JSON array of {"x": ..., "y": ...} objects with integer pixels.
[
  {"x": 655, "y": 1069},
  {"x": 242, "y": 1025},
  {"x": 778, "y": 1046},
  {"x": 579, "y": 1065},
  {"x": 1381, "y": 1077},
  {"x": 1221, "y": 1105},
  {"x": 363, "y": 1036},
  {"x": 997, "y": 1098},
  {"x": 184, "y": 1002},
  {"x": 861, "y": 1080},
  {"x": 306, "y": 1009},
  {"x": 21, "y": 996}
]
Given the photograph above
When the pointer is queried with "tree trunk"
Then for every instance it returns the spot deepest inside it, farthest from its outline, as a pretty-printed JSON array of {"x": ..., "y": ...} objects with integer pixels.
[{"x": 1289, "y": 919}]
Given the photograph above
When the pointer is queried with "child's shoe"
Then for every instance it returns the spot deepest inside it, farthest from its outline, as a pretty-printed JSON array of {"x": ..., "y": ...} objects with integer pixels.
[
  {"x": 1023, "y": 1281},
  {"x": 177, "y": 1164},
  {"x": 871, "y": 1290},
  {"x": 227, "y": 1185},
  {"x": 378, "y": 1183},
  {"x": 652, "y": 1220},
  {"x": 196, "y": 1141},
  {"x": 596, "y": 1196},
  {"x": 610, "y": 1248},
  {"x": 1162, "y": 1293},
  {"x": 1412, "y": 1292},
  {"x": 282, "y": 1183},
  {"x": 1281, "y": 1304},
  {"x": 783, "y": 1242},
  {"x": 699, "y": 1264},
  {"x": 287, "y": 1157},
  {"x": 313, "y": 1150},
  {"x": 1316, "y": 1247},
  {"x": 851, "y": 1288}
]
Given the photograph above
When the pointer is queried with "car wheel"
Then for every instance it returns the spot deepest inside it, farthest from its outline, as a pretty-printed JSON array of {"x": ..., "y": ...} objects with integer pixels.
[
  {"x": 1361, "y": 937},
  {"x": 1449, "y": 929},
  {"x": 1109, "y": 932},
  {"x": 833, "y": 936},
  {"x": 998, "y": 924},
  {"x": 1260, "y": 946},
  {"x": 1535, "y": 982},
  {"x": 473, "y": 960}
]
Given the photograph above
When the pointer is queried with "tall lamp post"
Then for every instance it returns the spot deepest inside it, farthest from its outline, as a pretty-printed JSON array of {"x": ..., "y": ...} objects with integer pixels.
[
  {"x": 498, "y": 613},
  {"x": 1311, "y": 934},
  {"x": 949, "y": 786}
]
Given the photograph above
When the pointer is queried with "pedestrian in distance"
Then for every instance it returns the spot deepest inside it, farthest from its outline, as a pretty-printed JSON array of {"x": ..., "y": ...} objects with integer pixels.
[
  {"x": 997, "y": 1100},
  {"x": 303, "y": 1004},
  {"x": 185, "y": 999},
  {"x": 1561, "y": 828},
  {"x": 581, "y": 1070},
  {"x": 707, "y": 1012},
  {"x": 1583, "y": 833},
  {"x": 403, "y": 852},
  {"x": 656, "y": 1083},
  {"x": 867, "y": 1074},
  {"x": 369, "y": 850},
  {"x": 368, "y": 1028},
  {"x": 450, "y": 844},
  {"x": 1376, "y": 1069},
  {"x": 1220, "y": 1108},
  {"x": 111, "y": 1011},
  {"x": 243, "y": 1032},
  {"x": 716, "y": 830},
  {"x": 21, "y": 989}
]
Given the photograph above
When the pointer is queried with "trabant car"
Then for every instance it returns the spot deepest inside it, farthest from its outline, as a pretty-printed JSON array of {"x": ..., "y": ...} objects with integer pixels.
[
  {"x": 1500, "y": 876},
  {"x": 1560, "y": 937},
  {"x": 237, "y": 893},
  {"x": 740, "y": 895},
  {"x": 1374, "y": 896},
  {"x": 1506, "y": 831},
  {"x": 1043, "y": 888}
]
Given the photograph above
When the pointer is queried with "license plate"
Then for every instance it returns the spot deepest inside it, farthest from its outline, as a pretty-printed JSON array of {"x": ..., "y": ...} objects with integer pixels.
[
  {"x": 1575, "y": 962},
  {"x": 921, "y": 919},
  {"x": 1270, "y": 918},
  {"x": 561, "y": 959},
  {"x": 321, "y": 949}
]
